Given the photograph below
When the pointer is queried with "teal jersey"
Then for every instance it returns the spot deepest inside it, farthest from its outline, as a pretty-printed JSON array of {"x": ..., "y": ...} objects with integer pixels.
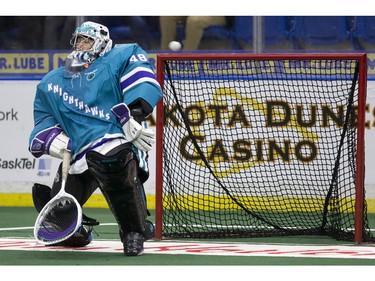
[{"x": 81, "y": 104}]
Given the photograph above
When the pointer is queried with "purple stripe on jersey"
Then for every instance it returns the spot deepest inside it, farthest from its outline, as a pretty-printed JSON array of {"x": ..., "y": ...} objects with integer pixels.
[
  {"x": 83, "y": 153},
  {"x": 138, "y": 75}
]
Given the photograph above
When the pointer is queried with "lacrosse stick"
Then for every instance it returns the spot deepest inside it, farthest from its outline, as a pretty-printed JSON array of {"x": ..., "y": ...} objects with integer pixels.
[{"x": 61, "y": 216}]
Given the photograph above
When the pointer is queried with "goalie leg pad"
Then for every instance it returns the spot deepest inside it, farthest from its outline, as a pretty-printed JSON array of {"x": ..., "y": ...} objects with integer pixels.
[
  {"x": 117, "y": 175},
  {"x": 41, "y": 195}
]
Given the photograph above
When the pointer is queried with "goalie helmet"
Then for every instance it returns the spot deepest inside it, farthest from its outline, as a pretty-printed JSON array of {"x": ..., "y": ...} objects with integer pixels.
[
  {"x": 98, "y": 33},
  {"x": 79, "y": 60}
]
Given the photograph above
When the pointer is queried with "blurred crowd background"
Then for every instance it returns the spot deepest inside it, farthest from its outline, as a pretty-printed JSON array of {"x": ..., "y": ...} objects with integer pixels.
[{"x": 275, "y": 33}]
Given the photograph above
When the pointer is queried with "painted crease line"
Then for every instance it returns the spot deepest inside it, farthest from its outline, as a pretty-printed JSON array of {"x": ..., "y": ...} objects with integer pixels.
[{"x": 232, "y": 249}]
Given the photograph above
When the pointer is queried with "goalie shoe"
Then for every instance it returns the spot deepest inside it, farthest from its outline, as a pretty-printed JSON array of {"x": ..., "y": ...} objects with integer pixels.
[
  {"x": 82, "y": 237},
  {"x": 133, "y": 244},
  {"x": 133, "y": 241}
]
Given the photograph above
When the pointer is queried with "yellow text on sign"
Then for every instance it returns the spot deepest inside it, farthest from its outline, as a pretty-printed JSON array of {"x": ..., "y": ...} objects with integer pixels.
[{"x": 14, "y": 63}]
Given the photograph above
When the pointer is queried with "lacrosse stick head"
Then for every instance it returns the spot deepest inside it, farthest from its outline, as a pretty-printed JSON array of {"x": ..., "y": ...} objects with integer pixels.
[
  {"x": 58, "y": 220},
  {"x": 61, "y": 216}
]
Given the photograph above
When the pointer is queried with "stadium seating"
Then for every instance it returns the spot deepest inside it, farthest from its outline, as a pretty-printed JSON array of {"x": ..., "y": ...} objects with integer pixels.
[
  {"x": 130, "y": 29},
  {"x": 120, "y": 32},
  {"x": 281, "y": 33},
  {"x": 217, "y": 32},
  {"x": 276, "y": 31},
  {"x": 363, "y": 32},
  {"x": 214, "y": 35},
  {"x": 319, "y": 31}
]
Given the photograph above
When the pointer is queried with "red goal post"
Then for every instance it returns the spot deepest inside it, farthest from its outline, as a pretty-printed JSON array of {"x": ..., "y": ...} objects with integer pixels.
[{"x": 222, "y": 70}]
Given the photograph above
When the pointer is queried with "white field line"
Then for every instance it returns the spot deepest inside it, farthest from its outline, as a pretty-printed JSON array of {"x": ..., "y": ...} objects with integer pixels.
[
  {"x": 198, "y": 248},
  {"x": 212, "y": 249}
]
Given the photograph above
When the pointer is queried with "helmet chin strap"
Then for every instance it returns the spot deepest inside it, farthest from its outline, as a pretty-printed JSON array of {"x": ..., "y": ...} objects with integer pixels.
[{"x": 78, "y": 61}]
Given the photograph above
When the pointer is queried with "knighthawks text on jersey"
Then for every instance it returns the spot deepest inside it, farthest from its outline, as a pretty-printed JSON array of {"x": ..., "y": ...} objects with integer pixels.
[{"x": 79, "y": 104}]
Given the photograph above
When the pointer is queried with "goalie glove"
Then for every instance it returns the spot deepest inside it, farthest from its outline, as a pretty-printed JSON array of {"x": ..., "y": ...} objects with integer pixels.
[
  {"x": 142, "y": 137},
  {"x": 52, "y": 141}
]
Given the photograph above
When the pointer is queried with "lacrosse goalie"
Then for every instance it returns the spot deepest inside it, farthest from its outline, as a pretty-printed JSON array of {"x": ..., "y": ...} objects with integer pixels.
[{"x": 95, "y": 107}]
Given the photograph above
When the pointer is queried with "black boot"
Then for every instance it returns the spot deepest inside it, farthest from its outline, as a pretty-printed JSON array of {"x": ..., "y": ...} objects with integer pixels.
[{"x": 133, "y": 244}]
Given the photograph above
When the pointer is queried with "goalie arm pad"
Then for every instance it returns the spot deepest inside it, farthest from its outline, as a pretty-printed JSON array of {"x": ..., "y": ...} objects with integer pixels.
[
  {"x": 142, "y": 137},
  {"x": 52, "y": 141}
]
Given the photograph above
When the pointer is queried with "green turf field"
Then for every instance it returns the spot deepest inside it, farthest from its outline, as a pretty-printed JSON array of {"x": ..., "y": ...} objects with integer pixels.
[{"x": 17, "y": 222}]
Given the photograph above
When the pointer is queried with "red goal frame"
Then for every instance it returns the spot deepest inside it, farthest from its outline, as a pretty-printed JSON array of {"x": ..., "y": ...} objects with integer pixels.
[{"x": 362, "y": 88}]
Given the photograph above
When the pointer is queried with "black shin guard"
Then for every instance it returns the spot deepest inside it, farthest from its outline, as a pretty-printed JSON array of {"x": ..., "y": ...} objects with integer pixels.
[
  {"x": 118, "y": 180},
  {"x": 41, "y": 195}
]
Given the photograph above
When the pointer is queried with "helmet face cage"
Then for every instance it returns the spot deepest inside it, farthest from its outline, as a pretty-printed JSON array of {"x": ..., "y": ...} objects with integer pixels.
[{"x": 97, "y": 32}]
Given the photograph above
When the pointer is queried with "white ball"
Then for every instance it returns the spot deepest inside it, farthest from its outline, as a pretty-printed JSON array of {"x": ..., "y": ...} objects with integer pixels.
[{"x": 175, "y": 45}]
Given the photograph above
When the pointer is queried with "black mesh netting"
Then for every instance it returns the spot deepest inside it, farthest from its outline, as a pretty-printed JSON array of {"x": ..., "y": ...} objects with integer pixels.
[{"x": 260, "y": 148}]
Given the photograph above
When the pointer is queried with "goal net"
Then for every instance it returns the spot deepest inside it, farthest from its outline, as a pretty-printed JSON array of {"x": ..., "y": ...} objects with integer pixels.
[{"x": 252, "y": 145}]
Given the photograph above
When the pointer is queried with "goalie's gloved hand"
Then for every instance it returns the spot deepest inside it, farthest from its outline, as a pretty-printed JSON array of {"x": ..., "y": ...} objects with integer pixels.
[
  {"x": 142, "y": 137},
  {"x": 52, "y": 141}
]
